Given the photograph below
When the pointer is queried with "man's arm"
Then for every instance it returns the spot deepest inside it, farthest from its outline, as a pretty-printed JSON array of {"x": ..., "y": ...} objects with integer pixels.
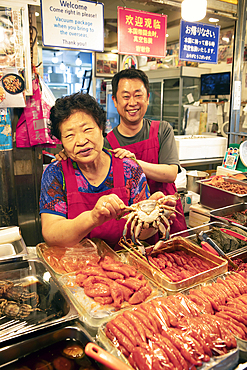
[{"x": 159, "y": 172}]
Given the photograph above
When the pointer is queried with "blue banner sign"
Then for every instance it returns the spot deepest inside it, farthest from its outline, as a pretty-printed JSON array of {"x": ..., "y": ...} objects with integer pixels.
[{"x": 199, "y": 42}]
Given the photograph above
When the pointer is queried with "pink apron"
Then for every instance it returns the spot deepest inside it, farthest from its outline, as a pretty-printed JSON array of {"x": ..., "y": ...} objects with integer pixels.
[
  {"x": 78, "y": 202},
  {"x": 148, "y": 151}
]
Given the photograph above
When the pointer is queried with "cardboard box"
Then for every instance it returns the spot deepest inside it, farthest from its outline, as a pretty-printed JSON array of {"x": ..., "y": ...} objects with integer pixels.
[{"x": 200, "y": 146}]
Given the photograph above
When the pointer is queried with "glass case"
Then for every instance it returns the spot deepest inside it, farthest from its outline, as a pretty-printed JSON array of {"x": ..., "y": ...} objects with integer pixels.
[
  {"x": 176, "y": 93},
  {"x": 154, "y": 108},
  {"x": 170, "y": 89}
]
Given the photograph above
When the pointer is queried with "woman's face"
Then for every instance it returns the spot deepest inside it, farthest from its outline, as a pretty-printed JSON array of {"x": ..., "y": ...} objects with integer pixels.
[{"x": 82, "y": 138}]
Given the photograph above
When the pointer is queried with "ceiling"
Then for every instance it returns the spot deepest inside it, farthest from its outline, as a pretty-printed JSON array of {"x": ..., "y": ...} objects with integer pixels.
[{"x": 225, "y": 12}]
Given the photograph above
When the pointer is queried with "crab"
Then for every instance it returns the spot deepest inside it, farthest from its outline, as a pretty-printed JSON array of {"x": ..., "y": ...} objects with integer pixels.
[
  {"x": 4, "y": 286},
  {"x": 15, "y": 310},
  {"x": 148, "y": 213},
  {"x": 21, "y": 295}
]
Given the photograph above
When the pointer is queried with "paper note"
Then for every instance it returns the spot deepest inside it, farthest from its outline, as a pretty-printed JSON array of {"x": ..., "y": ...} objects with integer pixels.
[{"x": 212, "y": 113}]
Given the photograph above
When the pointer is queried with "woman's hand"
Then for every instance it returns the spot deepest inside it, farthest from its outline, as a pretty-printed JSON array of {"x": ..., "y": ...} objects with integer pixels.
[
  {"x": 60, "y": 156},
  {"x": 123, "y": 153},
  {"x": 167, "y": 201},
  {"x": 107, "y": 207}
]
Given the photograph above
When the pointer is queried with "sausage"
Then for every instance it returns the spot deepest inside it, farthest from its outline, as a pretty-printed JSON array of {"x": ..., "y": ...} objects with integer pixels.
[
  {"x": 114, "y": 275},
  {"x": 142, "y": 358},
  {"x": 122, "y": 339},
  {"x": 103, "y": 300},
  {"x": 180, "y": 345},
  {"x": 163, "y": 318},
  {"x": 140, "y": 295},
  {"x": 120, "y": 323},
  {"x": 132, "y": 328},
  {"x": 172, "y": 318},
  {"x": 136, "y": 323},
  {"x": 172, "y": 353},
  {"x": 97, "y": 290}
]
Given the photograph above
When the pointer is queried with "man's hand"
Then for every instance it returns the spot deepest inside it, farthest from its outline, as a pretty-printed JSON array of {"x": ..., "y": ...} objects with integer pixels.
[
  {"x": 123, "y": 153},
  {"x": 60, "y": 156}
]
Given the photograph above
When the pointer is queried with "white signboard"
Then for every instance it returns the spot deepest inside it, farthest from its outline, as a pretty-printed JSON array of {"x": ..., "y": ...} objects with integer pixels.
[{"x": 73, "y": 24}]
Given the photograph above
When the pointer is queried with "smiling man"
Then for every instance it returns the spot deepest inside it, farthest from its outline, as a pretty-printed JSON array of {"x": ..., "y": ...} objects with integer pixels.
[{"x": 152, "y": 142}]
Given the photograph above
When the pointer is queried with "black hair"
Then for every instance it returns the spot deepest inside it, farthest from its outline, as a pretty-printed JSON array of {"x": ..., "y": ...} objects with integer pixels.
[
  {"x": 67, "y": 105},
  {"x": 129, "y": 73}
]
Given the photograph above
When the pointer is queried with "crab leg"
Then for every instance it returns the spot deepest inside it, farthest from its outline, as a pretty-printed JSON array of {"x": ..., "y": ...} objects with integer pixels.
[
  {"x": 129, "y": 219},
  {"x": 166, "y": 222}
]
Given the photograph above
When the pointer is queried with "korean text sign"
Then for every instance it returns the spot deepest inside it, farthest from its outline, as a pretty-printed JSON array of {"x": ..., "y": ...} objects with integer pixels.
[
  {"x": 141, "y": 33},
  {"x": 199, "y": 42},
  {"x": 73, "y": 24}
]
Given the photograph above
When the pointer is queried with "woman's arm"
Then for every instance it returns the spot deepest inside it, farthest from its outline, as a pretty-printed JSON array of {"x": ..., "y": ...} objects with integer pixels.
[{"x": 57, "y": 230}]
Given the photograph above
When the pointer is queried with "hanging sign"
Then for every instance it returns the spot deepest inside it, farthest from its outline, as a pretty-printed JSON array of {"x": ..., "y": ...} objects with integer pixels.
[
  {"x": 141, "y": 33},
  {"x": 73, "y": 24},
  {"x": 199, "y": 42}
]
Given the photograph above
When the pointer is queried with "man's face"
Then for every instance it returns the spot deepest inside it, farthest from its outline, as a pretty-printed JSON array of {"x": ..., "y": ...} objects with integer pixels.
[{"x": 132, "y": 100}]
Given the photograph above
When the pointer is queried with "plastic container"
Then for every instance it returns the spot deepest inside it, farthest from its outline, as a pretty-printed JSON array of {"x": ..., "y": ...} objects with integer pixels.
[{"x": 91, "y": 312}]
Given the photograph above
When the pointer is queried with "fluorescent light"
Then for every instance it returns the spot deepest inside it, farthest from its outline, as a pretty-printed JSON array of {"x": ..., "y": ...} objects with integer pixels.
[
  {"x": 78, "y": 61},
  {"x": 114, "y": 51},
  {"x": 54, "y": 59},
  {"x": 62, "y": 66},
  {"x": 194, "y": 10},
  {"x": 213, "y": 20},
  {"x": 226, "y": 39}
]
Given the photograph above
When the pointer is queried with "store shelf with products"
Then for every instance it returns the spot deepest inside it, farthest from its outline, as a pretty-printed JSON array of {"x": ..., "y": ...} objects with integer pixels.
[{"x": 174, "y": 87}]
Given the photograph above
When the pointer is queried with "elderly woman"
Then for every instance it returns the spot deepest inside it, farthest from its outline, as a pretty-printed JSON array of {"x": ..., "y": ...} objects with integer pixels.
[{"x": 82, "y": 196}]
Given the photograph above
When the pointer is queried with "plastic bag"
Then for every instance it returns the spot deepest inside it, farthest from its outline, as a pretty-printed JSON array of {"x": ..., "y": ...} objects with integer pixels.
[
  {"x": 32, "y": 127},
  {"x": 181, "y": 180}
]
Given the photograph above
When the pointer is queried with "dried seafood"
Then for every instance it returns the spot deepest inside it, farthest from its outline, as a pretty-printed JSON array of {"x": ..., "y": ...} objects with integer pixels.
[{"x": 219, "y": 182}]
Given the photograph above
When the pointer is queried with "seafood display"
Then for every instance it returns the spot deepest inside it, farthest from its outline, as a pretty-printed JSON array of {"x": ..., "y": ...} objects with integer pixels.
[
  {"x": 221, "y": 183},
  {"x": 147, "y": 214},
  {"x": 63, "y": 260},
  {"x": 113, "y": 282},
  {"x": 240, "y": 217},
  {"x": 16, "y": 301},
  {"x": 183, "y": 330},
  {"x": 228, "y": 243},
  {"x": 179, "y": 265}
]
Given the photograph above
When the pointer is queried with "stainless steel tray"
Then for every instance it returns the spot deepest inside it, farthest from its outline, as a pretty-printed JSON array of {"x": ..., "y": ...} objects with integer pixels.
[
  {"x": 220, "y": 213},
  {"x": 14, "y": 247},
  {"x": 11, "y": 355},
  {"x": 191, "y": 234},
  {"x": 54, "y": 306},
  {"x": 212, "y": 197},
  {"x": 220, "y": 265}
]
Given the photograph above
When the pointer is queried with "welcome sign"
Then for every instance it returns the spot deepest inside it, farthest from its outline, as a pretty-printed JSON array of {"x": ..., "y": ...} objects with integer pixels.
[{"x": 73, "y": 24}]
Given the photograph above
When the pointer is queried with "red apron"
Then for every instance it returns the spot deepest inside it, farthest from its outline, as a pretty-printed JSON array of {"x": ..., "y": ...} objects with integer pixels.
[
  {"x": 148, "y": 151},
  {"x": 78, "y": 202}
]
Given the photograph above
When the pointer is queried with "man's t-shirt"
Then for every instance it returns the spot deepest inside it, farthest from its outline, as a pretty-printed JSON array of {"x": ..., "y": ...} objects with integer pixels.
[{"x": 168, "y": 153}]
